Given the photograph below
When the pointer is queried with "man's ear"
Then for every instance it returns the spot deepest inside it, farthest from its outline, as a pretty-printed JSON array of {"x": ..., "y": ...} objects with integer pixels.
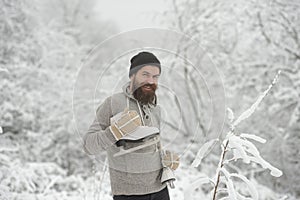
[
  {"x": 132, "y": 77},
  {"x": 131, "y": 81}
]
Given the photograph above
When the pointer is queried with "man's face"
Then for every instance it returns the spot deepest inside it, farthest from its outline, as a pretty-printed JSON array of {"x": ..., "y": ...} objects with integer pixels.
[{"x": 144, "y": 84}]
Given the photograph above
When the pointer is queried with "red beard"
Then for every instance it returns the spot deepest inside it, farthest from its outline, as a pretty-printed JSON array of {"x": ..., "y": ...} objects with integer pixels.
[{"x": 146, "y": 94}]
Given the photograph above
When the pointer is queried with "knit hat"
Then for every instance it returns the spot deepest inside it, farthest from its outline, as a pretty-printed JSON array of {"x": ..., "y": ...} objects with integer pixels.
[{"x": 142, "y": 59}]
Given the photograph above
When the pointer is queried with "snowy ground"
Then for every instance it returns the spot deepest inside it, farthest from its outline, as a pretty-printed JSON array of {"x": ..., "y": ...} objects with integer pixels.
[{"x": 91, "y": 189}]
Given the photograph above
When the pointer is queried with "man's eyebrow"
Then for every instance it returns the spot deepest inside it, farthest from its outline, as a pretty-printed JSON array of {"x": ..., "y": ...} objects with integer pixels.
[{"x": 150, "y": 73}]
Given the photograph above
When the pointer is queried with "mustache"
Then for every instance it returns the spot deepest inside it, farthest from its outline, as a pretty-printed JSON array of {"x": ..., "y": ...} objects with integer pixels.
[{"x": 152, "y": 86}]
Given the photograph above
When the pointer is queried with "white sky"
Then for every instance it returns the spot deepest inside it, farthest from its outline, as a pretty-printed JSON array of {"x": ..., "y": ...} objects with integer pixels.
[{"x": 132, "y": 14}]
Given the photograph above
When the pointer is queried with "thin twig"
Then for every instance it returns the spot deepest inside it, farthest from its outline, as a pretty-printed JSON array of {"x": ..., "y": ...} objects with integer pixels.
[{"x": 219, "y": 173}]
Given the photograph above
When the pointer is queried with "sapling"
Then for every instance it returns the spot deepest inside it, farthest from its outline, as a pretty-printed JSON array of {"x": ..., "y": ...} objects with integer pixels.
[{"x": 240, "y": 146}]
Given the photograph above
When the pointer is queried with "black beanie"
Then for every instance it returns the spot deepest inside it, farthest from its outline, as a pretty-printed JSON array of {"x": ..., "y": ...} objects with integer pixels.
[{"x": 142, "y": 59}]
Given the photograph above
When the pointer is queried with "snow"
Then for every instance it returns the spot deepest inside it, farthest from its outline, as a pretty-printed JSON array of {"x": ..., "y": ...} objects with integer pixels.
[
  {"x": 253, "y": 137},
  {"x": 43, "y": 44},
  {"x": 203, "y": 151}
]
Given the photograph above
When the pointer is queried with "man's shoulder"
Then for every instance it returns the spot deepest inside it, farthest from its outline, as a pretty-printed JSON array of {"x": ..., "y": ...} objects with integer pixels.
[
  {"x": 115, "y": 99},
  {"x": 117, "y": 96}
]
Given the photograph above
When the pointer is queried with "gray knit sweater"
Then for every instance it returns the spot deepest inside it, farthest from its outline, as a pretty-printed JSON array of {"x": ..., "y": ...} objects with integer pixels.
[{"x": 135, "y": 173}]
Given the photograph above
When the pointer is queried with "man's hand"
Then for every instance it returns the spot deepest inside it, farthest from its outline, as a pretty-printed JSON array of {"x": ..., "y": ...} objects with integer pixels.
[
  {"x": 124, "y": 123},
  {"x": 170, "y": 160}
]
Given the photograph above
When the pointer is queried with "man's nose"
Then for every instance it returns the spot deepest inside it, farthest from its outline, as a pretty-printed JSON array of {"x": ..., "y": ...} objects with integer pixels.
[{"x": 150, "y": 80}]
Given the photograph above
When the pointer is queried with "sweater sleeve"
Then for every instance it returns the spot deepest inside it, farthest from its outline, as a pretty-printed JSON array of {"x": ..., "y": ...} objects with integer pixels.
[{"x": 99, "y": 137}]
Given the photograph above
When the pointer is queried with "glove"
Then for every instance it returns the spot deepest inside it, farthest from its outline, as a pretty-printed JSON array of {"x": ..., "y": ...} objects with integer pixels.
[
  {"x": 124, "y": 123},
  {"x": 170, "y": 160},
  {"x": 168, "y": 176}
]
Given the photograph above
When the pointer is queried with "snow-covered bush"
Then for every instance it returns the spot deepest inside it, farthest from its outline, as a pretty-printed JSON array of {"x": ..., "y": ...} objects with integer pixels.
[{"x": 229, "y": 184}]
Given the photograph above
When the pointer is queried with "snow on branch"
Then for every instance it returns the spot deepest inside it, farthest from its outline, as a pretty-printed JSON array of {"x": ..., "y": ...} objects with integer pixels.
[{"x": 254, "y": 106}]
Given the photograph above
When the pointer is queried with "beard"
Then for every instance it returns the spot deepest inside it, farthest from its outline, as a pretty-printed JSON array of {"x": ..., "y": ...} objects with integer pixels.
[{"x": 145, "y": 94}]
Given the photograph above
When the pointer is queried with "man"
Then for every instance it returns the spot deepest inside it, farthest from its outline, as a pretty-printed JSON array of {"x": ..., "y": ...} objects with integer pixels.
[{"x": 127, "y": 127}]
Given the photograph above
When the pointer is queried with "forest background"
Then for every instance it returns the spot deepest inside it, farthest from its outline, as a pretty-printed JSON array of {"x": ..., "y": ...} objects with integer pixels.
[{"x": 45, "y": 44}]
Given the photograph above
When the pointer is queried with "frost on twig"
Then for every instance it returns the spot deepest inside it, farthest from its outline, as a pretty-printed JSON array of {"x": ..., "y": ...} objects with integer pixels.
[
  {"x": 204, "y": 150},
  {"x": 246, "y": 150}
]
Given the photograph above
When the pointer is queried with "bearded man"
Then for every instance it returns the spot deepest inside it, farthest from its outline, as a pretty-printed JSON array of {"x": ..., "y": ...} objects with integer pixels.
[{"x": 127, "y": 127}]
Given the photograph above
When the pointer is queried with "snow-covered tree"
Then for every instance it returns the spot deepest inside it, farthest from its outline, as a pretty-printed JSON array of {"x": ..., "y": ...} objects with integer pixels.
[{"x": 39, "y": 57}]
